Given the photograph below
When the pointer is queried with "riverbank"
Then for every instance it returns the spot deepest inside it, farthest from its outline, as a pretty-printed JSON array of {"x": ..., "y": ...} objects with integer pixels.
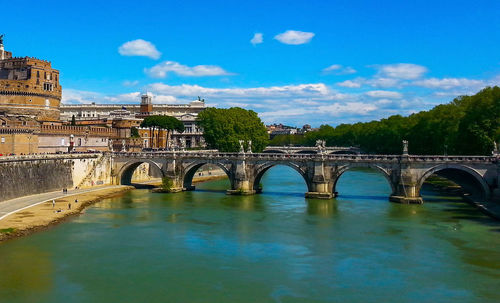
[{"x": 41, "y": 216}]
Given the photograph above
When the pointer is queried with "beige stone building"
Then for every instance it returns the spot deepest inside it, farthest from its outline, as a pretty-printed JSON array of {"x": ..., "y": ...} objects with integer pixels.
[
  {"x": 28, "y": 86},
  {"x": 33, "y": 120}
]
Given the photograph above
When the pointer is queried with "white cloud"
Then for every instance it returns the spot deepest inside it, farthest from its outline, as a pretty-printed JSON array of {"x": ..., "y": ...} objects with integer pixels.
[
  {"x": 373, "y": 82},
  {"x": 160, "y": 70},
  {"x": 130, "y": 83},
  {"x": 383, "y": 82},
  {"x": 339, "y": 69},
  {"x": 294, "y": 37},
  {"x": 139, "y": 47},
  {"x": 350, "y": 83},
  {"x": 318, "y": 89},
  {"x": 123, "y": 98},
  {"x": 406, "y": 71},
  {"x": 333, "y": 67},
  {"x": 338, "y": 109},
  {"x": 258, "y": 38},
  {"x": 384, "y": 94},
  {"x": 72, "y": 96},
  {"x": 165, "y": 99},
  {"x": 449, "y": 83}
]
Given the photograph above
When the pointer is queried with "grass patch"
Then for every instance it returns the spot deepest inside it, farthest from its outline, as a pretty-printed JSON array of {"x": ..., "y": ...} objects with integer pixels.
[{"x": 7, "y": 230}]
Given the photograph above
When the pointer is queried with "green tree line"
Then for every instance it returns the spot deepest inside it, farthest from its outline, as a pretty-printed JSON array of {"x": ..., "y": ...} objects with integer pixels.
[{"x": 469, "y": 125}]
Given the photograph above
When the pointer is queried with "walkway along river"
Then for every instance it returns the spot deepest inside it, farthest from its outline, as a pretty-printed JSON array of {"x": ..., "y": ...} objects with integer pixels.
[{"x": 206, "y": 246}]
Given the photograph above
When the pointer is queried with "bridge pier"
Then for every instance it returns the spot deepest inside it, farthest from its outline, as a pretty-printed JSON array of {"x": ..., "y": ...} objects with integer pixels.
[
  {"x": 172, "y": 172},
  {"x": 405, "y": 187},
  {"x": 320, "y": 187},
  {"x": 243, "y": 178}
]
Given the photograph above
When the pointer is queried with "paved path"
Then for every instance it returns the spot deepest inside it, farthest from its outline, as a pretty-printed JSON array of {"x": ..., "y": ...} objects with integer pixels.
[{"x": 11, "y": 206}]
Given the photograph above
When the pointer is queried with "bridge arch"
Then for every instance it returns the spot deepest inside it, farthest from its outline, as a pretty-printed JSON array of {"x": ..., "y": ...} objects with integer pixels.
[
  {"x": 127, "y": 170},
  {"x": 190, "y": 170},
  {"x": 457, "y": 173},
  {"x": 386, "y": 173},
  {"x": 262, "y": 169}
]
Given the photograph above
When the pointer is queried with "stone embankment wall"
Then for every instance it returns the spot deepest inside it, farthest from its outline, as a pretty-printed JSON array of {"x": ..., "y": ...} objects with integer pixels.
[{"x": 28, "y": 175}]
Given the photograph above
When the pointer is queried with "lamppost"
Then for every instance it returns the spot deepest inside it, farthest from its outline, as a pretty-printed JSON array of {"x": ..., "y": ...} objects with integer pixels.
[{"x": 446, "y": 150}]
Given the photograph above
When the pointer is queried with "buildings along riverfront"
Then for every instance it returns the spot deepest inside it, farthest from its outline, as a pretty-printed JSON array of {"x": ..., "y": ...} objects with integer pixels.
[{"x": 33, "y": 120}]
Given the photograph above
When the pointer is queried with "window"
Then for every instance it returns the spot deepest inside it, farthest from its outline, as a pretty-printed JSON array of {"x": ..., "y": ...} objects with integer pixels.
[
  {"x": 47, "y": 86},
  {"x": 3, "y": 140}
]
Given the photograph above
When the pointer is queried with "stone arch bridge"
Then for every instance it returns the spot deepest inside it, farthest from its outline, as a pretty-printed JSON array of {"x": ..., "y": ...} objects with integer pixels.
[{"x": 404, "y": 173}]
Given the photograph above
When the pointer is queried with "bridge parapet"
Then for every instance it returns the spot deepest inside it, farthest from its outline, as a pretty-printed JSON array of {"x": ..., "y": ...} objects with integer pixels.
[
  {"x": 405, "y": 173},
  {"x": 328, "y": 157},
  {"x": 36, "y": 157}
]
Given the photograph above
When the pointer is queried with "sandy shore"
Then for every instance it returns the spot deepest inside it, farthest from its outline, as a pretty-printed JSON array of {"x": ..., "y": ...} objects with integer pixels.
[{"x": 43, "y": 215}]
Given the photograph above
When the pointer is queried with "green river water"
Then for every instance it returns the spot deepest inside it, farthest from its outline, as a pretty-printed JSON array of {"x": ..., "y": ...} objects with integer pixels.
[{"x": 205, "y": 246}]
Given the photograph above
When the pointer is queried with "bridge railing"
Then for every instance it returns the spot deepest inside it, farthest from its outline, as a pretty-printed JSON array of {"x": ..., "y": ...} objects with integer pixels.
[
  {"x": 325, "y": 157},
  {"x": 48, "y": 157}
]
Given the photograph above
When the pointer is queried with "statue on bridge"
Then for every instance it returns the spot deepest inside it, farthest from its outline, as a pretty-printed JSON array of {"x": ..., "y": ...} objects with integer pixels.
[
  {"x": 321, "y": 145},
  {"x": 242, "y": 149},
  {"x": 405, "y": 148}
]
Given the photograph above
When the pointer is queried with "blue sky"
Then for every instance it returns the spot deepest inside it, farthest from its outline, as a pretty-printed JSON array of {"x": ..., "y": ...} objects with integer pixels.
[{"x": 294, "y": 62}]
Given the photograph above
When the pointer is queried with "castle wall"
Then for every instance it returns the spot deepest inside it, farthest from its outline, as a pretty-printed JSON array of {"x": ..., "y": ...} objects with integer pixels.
[
  {"x": 18, "y": 143},
  {"x": 29, "y": 175}
]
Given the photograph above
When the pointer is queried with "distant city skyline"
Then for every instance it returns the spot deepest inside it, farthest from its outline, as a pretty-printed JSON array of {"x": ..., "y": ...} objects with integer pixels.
[{"x": 293, "y": 62}]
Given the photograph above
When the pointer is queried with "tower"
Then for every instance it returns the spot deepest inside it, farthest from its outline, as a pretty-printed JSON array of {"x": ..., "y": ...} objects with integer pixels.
[{"x": 146, "y": 104}]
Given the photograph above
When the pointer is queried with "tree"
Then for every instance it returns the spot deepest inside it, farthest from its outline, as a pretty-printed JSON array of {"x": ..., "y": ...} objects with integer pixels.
[
  {"x": 223, "y": 128},
  {"x": 170, "y": 124},
  {"x": 134, "y": 132},
  {"x": 73, "y": 120},
  {"x": 468, "y": 125}
]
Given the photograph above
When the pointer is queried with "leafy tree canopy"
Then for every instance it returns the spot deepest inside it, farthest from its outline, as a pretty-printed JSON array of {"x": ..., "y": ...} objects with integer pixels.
[
  {"x": 223, "y": 128},
  {"x": 469, "y": 125}
]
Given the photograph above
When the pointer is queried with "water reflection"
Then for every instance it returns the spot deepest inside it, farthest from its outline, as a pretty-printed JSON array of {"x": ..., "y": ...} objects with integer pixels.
[
  {"x": 205, "y": 246},
  {"x": 322, "y": 208},
  {"x": 27, "y": 271}
]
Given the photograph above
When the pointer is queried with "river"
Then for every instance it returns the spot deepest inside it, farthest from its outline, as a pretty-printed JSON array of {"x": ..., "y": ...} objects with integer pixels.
[{"x": 205, "y": 246}]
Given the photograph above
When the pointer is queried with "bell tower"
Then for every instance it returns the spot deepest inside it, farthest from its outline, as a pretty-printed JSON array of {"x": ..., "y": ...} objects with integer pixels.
[{"x": 147, "y": 104}]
